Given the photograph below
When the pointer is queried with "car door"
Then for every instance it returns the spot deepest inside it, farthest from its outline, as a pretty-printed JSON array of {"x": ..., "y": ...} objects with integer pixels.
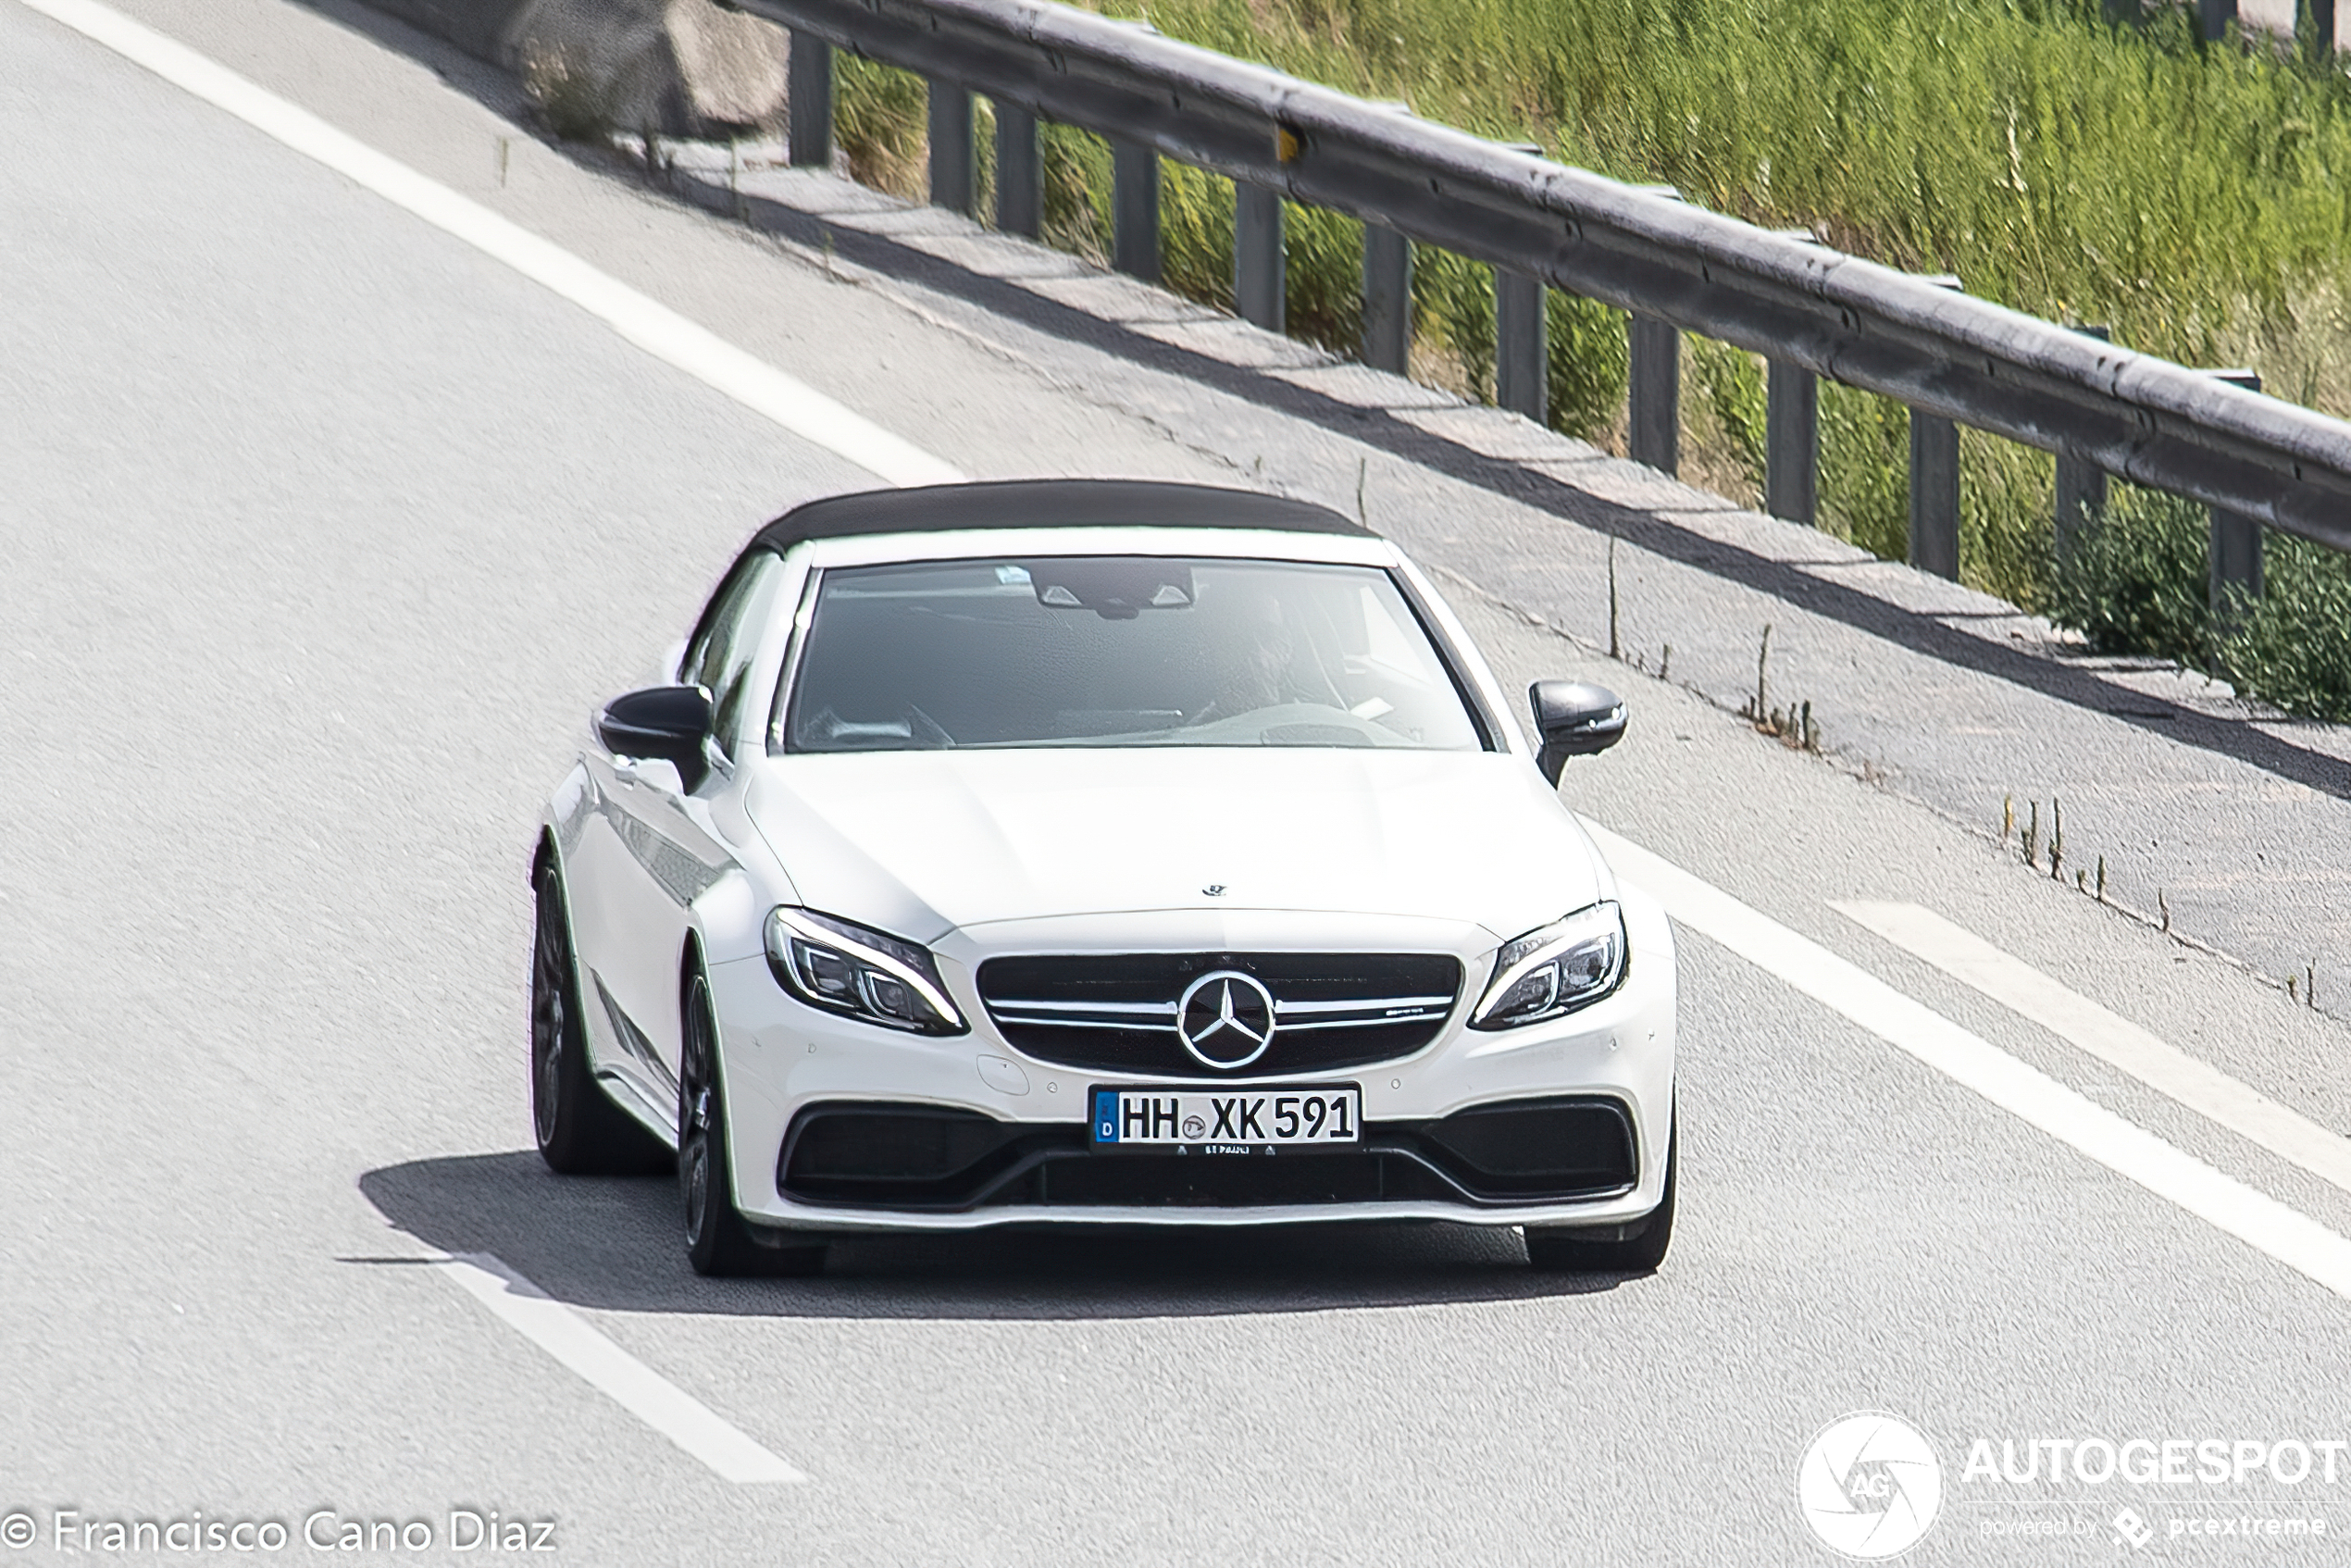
[{"x": 661, "y": 850}]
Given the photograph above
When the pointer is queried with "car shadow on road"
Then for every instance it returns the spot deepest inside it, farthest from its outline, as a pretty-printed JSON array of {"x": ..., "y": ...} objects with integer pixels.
[{"x": 618, "y": 1243}]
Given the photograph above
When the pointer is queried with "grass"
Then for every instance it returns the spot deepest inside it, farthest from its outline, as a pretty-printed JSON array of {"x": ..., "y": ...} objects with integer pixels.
[
  {"x": 2053, "y": 162},
  {"x": 2137, "y": 584},
  {"x": 2196, "y": 199}
]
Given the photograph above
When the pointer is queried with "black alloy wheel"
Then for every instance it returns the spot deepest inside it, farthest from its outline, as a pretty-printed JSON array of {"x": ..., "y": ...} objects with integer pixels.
[
  {"x": 1568, "y": 1248},
  {"x": 579, "y": 1130},
  {"x": 717, "y": 1240}
]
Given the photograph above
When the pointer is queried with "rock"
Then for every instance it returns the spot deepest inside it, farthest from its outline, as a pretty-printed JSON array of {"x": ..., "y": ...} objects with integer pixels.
[{"x": 679, "y": 68}]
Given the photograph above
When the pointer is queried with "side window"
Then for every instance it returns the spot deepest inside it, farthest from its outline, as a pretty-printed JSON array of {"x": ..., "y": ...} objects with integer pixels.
[
  {"x": 700, "y": 665},
  {"x": 722, "y": 667}
]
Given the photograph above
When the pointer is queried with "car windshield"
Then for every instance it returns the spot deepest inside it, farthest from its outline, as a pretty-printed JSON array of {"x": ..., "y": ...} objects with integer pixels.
[{"x": 1118, "y": 651}]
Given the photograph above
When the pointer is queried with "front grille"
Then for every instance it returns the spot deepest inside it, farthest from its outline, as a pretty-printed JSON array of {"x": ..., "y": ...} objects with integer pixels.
[
  {"x": 1116, "y": 1013},
  {"x": 931, "y": 1159}
]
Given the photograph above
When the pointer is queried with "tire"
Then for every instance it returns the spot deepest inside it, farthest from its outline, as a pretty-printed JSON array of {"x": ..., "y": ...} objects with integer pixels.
[
  {"x": 718, "y": 1242},
  {"x": 1567, "y": 1248},
  {"x": 579, "y": 1130}
]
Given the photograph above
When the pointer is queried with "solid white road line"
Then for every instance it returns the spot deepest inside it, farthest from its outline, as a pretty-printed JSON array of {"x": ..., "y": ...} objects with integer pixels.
[
  {"x": 2107, "y": 1036},
  {"x": 652, "y": 326},
  {"x": 637, "y": 1388},
  {"x": 2260, "y": 1221}
]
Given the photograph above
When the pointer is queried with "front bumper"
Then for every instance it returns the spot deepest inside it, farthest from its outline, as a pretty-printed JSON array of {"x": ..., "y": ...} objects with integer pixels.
[
  {"x": 781, "y": 1061},
  {"x": 897, "y": 1158}
]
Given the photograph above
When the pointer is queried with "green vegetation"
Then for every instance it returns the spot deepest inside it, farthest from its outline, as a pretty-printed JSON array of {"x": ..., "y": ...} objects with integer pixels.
[
  {"x": 2137, "y": 584},
  {"x": 2296, "y": 648},
  {"x": 2196, "y": 199}
]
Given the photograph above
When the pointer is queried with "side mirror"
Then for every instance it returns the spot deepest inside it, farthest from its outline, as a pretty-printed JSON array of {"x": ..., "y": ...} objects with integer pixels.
[
  {"x": 1575, "y": 719},
  {"x": 666, "y": 722}
]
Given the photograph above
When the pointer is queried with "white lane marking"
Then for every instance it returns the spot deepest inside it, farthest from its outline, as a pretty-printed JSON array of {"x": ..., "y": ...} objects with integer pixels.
[
  {"x": 637, "y": 1388},
  {"x": 2255, "y": 1218},
  {"x": 2109, "y": 1036},
  {"x": 650, "y": 324}
]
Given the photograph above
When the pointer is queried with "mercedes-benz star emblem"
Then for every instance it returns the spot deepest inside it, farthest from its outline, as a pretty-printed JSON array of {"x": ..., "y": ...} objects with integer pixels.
[{"x": 1225, "y": 1019}]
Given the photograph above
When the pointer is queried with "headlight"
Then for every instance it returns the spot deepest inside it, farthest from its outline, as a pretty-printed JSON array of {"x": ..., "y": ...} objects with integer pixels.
[
  {"x": 1555, "y": 970},
  {"x": 845, "y": 968}
]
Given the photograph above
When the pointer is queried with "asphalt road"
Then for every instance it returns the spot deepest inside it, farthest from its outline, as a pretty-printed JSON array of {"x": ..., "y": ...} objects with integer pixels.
[{"x": 323, "y": 530}]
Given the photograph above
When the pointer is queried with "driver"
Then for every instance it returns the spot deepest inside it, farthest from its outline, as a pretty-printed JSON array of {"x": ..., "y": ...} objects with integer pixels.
[{"x": 1255, "y": 670}]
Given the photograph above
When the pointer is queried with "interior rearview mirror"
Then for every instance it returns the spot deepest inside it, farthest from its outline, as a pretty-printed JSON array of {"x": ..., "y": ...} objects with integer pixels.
[
  {"x": 1574, "y": 719},
  {"x": 667, "y": 722}
]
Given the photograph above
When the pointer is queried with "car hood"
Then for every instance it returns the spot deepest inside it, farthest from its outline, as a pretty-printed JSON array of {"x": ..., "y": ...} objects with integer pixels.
[{"x": 919, "y": 842}]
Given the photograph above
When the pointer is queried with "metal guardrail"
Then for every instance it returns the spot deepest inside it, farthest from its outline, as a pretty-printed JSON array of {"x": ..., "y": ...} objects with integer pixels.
[{"x": 1810, "y": 310}]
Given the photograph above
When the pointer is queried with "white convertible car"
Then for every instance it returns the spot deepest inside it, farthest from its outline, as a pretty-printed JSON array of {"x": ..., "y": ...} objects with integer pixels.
[{"x": 1095, "y": 853}]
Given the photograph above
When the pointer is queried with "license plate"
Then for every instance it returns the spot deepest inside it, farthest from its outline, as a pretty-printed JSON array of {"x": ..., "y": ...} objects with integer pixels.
[{"x": 1227, "y": 1121}]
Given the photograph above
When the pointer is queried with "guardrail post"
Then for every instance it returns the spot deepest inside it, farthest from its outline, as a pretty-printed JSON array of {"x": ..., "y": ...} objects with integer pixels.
[
  {"x": 1387, "y": 300},
  {"x": 1522, "y": 337},
  {"x": 954, "y": 173},
  {"x": 1934, "y": 485},
  {"x": 1020, "y": 172},
  {"x": 2081, "y": 486},
  {"x": 1134, "y": 209},
  {"x": 2213, "y": 18},
  {"x": 1259, "y": 270},
  {"x": 2234, "y": 550},
  {"x": 1791, "y": 442},
  {"x": 1521, "y": 345},
  {"x": 1792, "y": 430},
  {"x": 1655, "y": 416},
  {"x": 809, "y": 90},
  {"x": 1934, "y": 495},
  {"x": 1653, "y": 412}
]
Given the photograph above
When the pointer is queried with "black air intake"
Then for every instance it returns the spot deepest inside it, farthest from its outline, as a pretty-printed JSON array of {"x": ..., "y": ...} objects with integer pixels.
[{"x": 1534, "y": 1148}]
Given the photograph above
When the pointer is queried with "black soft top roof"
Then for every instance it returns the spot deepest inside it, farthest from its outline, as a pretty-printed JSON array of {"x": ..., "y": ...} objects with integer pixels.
[{"x": 1048, "y": 503}]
